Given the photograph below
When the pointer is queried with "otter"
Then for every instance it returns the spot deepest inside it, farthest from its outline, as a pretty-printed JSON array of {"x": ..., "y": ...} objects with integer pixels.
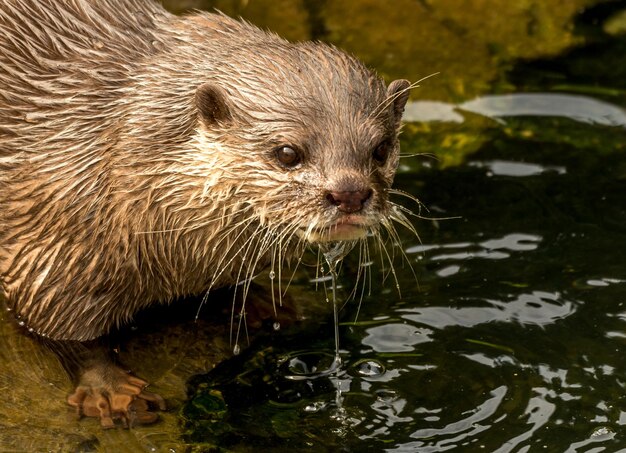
[{"x": 146, "y": 157}]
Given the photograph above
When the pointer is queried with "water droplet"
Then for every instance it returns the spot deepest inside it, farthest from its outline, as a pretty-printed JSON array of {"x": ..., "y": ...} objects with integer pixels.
[
  {"x": 602, "y": 431},
  {"x": 31, "y": 330},
  {"x": 369, "y": 368},
  {"x": 276, "y": 326},
  {"x": 21, "y": 323},
  {"x": 272, "y": 274},
  {"x": 314, "y": 407},
  {"x": 236, "y": 349},
  {"x": 337, "y": 361},
  {"x": 386, "y": 396},
  {"x": 299, "y": 366}
]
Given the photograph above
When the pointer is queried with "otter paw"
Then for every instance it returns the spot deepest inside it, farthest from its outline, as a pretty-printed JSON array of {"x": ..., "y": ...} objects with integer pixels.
[{"x": 110, "y": 393}]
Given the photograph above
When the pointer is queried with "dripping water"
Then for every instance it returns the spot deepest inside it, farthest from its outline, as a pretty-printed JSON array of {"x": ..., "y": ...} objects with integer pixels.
[{"x": 333, "y": 253}]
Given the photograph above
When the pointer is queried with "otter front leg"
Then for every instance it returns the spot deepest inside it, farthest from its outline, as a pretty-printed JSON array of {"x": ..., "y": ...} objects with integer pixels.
[
  {"x": 111, "y": 393},
  {"x": 103, "y": 388}
]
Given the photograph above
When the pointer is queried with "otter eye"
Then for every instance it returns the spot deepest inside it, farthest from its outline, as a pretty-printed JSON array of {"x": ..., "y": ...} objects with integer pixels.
[
  {"x": 288, "y": 156},
  {"x": 381, "y": 153}
]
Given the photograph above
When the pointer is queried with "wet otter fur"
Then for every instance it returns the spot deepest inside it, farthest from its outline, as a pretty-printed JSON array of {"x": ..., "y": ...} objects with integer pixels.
[{"x": 145, "y": 157}]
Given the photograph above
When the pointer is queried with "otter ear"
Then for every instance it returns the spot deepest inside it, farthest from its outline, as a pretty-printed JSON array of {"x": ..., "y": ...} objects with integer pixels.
[
  {"x": 212, "y": 105},
  {"x": 398, "y": 93}
]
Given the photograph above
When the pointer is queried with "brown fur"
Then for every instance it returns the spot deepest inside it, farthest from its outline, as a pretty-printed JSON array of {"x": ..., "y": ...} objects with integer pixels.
[{"x": 123, "y": 182}]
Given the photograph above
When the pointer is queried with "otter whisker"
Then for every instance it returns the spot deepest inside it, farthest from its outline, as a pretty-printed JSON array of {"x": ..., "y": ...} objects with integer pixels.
[
  {"x": 293, "y": 273},
  {"x": 204, "y": 300},
  {"x": 429, "y": 155},
  {"x": 397, "y": 216},
  {"x": 246, "y": 247},
  {"x": 398, "y": 207},
  {"x": 226, "y": 258},
  {"x": 369, "y": 270},
  {"x": 367, "y": 275},
  {"x": 259, "y": 250},
  {"x": 378, "y": 242},
  {"x": 391, "y": 230},
  {"x": 287, "y": 238},
  {"x": 360, "y": 271},
  {"x": 392, "y": 269},
  {"x": 275, "y": 249},
  {"x": 267, "y": 243},
  {"x": 224, "y": 261},
  {"x": 241, "y": 323},
  {"x": 402, "y": 193}
]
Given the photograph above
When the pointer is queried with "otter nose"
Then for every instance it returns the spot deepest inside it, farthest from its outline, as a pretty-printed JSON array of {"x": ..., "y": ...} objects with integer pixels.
[{"x": 349, "y": 201}]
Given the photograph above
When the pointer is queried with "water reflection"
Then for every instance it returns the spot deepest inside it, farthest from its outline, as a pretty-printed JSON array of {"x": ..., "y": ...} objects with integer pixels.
[
  {"x": 538, "y": 308},
  {"x": 519, "y": 169},
  {"x": 572, "y": 106},
  {"x": 490, "y": 249},
  {"x": 459, "y": 432},
  {"x": 395, "y": 337},
  {"x": 576, "y": 107}
]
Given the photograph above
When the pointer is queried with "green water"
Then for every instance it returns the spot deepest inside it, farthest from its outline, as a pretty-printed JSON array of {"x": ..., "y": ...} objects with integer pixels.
[{"x": 512, "y": 337}]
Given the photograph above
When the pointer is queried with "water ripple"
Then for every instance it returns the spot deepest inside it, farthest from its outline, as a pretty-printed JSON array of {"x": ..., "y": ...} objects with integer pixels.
[{"x": 536, "y": 308}]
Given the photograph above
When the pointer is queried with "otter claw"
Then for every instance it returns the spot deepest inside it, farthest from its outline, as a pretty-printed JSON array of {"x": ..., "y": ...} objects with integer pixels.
[
  {"x": 115, "y": 396},
  {"x": 158, "y": 400}
]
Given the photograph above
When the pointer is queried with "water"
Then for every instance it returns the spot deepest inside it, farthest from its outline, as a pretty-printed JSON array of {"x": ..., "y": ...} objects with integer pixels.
[
  {"x": 333, "y": 253},
  {"x": 513, "y": 338}
]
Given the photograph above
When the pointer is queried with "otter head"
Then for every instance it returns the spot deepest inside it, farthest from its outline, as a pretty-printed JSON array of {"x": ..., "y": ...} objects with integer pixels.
[{"x": 307, "y": 141}]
